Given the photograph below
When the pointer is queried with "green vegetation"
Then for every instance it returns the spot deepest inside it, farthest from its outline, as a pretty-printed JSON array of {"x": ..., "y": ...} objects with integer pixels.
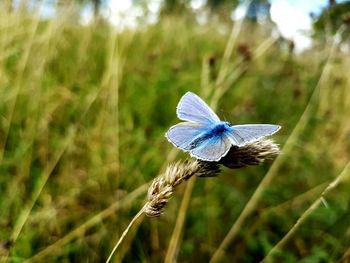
[
  {"x": 332, "y": 18},
  {"x": 83, "y": 112}
]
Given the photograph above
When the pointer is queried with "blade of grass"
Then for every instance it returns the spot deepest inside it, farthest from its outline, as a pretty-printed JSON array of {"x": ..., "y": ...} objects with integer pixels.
[
  {"x": 125, "y": 232},
  {"x": 253, "y": 201},
  {"x": 176, "y": 235},
  {"x": 236, "y": 29},
  {"x": 343, "y": 176},
  {"x": 220, "y": 91},
  {"x": 32, "y": 135},
  {"x": 28, "y": 208},
  {"x": 107, "y": 81},
  {"x": 297, "y": 200},
  {"x": 345, "y": 258},
  {"x": 25, "y": 214},
  {"x": 178, "y": 229},
  {"x": 19, "y": 79},
  {"x": 238, "y": 71},
  {"x": 81, "y": 229}
]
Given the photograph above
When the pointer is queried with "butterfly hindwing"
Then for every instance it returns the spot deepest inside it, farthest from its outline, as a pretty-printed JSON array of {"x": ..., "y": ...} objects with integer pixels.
[
  {"x": 182, "y": 134},
  {"x": 213, "y": 149}
]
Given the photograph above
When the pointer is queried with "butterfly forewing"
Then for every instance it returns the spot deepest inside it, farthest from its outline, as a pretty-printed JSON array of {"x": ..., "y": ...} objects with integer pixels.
[{"x": 192, "y": 108}]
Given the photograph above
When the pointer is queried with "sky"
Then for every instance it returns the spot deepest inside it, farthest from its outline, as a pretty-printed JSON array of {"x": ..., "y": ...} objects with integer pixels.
[{"x": 292, "y": 17}]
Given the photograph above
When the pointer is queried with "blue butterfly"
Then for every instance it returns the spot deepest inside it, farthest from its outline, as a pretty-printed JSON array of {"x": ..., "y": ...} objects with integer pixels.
[{"x": 205, "y": 136}]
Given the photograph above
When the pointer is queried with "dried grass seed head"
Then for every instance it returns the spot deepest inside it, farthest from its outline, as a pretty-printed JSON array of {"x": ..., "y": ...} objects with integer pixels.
[
  {"x": 253, "y": 153},
  {"x": 163, "y": 186}
]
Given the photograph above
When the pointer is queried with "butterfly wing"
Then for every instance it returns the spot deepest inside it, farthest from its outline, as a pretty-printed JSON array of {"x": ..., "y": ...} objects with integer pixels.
[
  {"x": 243, "y": 134},
  {"x": 192, "y": 108},
  {"x": 191, "y": 135},
  {"x": 182, "y": 134},
  {"x": 213, "y": 149}
]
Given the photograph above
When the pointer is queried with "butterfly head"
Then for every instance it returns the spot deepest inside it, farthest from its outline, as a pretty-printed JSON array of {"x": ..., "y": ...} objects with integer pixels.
[{"x": 221, "y": 128}]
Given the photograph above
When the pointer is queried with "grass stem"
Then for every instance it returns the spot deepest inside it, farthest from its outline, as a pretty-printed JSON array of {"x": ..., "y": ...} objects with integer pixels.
[
  {"x": 344, "y": 175},
  {"x": 253, "y": 201},
  {"x": 179, "y": 225},
  {"x": 125, "y": 232},
  {"x": 79, "y": 231}
]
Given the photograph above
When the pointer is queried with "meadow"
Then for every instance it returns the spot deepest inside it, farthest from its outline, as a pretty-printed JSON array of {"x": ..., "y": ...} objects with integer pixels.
[{"x": 83, "y": 113}]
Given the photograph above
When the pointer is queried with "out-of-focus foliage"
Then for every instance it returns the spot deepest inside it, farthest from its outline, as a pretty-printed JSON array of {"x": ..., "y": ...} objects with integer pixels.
[
  {"x": 258, "y": 8},
  {"x": 174, "y": 6},
  {"x": 96, "y": 4},
  {"x": 332, "y": 18},
  {"x": 219, "y": 8},
  {"x": 83, "y": 112},
  {"x": 217, "y": 4}
]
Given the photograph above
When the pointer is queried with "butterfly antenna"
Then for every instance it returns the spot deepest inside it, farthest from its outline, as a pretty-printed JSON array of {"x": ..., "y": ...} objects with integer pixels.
[{"x": 224, "y": 117}]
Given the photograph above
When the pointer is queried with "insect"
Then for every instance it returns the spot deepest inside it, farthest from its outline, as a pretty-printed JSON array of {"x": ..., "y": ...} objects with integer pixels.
[{"x": 205, "y": 136}]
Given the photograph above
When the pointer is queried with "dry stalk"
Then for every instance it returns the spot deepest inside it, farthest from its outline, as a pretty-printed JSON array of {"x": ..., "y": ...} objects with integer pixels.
[
  {"x": 162, "y": 187},
  {"x": 343, "y": 176},
  {"x": 288, "y": 146}
]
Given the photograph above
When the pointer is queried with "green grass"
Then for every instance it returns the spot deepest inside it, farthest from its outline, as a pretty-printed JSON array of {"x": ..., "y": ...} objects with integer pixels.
[{"x": 83, "y": 112}]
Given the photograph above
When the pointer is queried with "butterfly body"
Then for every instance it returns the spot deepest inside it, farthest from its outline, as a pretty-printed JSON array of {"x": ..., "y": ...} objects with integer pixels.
[
  {"x": 205, "y": 136},
  {"x": 221, "y": 128},
  {"x": 213, "y": 133}
]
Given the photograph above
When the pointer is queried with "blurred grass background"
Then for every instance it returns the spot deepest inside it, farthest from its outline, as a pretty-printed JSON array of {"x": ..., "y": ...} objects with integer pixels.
[{"x": 83, "y": 112}]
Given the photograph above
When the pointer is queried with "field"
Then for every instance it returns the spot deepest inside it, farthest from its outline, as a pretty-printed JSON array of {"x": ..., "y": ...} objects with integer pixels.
[{"x": 83, "y": 113}]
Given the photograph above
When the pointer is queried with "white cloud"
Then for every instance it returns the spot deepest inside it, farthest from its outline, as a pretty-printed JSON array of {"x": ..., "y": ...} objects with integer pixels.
[
  {"x": 154, "y": 6},
  {"x": 120, "y": 6},
  {"x": 121, "y": 14},
  {"x": 197, "y": 4},
  {"x": 293, "y": 23},
  {"x": 124, "y": 14},
  {"x": 87, "y": 15},
  {"x": 240, "y": 11}
]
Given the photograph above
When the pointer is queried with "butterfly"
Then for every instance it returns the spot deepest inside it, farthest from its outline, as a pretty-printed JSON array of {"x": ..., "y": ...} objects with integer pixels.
[{"x": 205, "y": 136}]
